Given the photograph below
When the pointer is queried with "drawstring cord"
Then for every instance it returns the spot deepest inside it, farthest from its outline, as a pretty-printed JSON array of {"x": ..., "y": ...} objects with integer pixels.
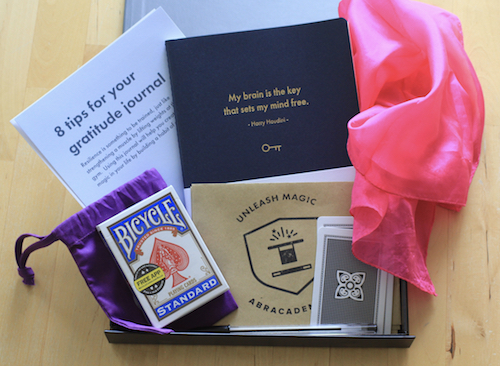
[{"x": 27, "y": 273}]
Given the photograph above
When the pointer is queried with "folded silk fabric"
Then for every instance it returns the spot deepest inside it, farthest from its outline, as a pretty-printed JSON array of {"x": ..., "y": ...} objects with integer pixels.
[{"x": 417, "y": 140}]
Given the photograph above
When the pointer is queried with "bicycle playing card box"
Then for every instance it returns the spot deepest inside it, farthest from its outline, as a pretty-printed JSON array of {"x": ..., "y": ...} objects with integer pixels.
[{"x": 163, "y": 257}]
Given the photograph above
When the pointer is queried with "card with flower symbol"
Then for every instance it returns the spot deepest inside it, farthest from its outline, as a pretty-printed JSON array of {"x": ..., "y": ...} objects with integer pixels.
[{"x": 346, "y": 290}]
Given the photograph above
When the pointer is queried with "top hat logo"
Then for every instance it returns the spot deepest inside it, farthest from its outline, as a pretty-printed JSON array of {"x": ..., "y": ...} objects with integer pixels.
[{"x": 281, "y": 253}]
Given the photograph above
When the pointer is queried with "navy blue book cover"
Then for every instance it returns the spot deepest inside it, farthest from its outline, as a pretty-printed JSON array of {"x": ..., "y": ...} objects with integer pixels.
[{"x": 263, "y": 103}]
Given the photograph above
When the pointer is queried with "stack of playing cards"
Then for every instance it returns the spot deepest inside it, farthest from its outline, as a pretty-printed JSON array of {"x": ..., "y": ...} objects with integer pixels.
[
  {"x": 163, "y": 257},
  {"x": 346, "y": 290}
]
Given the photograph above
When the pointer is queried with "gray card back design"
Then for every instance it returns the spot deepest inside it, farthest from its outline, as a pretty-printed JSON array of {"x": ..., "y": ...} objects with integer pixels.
[
  {"x": 348, "y": 292},
  {"x": 349, "y": 288}
]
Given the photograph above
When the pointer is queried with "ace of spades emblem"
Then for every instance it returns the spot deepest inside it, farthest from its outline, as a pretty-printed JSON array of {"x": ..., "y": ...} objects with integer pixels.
[{"x": 171, "y": 258}]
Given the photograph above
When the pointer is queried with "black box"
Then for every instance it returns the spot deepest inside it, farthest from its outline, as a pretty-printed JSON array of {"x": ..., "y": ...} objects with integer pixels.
[{"x": 222, "y": 336}]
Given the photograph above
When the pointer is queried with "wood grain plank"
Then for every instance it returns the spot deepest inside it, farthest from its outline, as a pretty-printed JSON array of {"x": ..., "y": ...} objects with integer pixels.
[
  {"x": 59, "y": 41},
  {"x": 105, "y": 21}
]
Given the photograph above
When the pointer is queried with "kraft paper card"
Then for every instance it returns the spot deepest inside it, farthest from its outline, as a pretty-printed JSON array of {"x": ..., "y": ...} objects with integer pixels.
[{"x": 263, "y": 237}]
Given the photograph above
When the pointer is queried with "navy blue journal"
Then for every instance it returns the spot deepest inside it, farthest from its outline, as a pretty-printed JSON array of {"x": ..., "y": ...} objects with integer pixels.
[{"x": 263, "y": 103}]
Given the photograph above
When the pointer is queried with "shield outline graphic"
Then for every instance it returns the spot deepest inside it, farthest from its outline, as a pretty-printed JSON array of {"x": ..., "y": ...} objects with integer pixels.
[{"x": 251, "y": 263}]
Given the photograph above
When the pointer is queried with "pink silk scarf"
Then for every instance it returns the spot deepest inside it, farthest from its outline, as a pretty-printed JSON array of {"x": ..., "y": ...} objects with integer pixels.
[{"x": 417, "y": 141}]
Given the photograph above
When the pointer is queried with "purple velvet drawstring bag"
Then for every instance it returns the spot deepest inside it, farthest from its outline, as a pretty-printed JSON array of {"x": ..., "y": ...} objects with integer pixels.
[{"x": 97, "y": 265}]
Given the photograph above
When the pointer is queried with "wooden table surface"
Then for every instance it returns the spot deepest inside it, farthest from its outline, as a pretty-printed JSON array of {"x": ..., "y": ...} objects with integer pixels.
[{"x": 58, "y": 322}]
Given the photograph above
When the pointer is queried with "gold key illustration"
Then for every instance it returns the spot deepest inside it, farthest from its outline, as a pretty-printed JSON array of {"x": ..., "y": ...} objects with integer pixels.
[{"x": 267, "y": 147}]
